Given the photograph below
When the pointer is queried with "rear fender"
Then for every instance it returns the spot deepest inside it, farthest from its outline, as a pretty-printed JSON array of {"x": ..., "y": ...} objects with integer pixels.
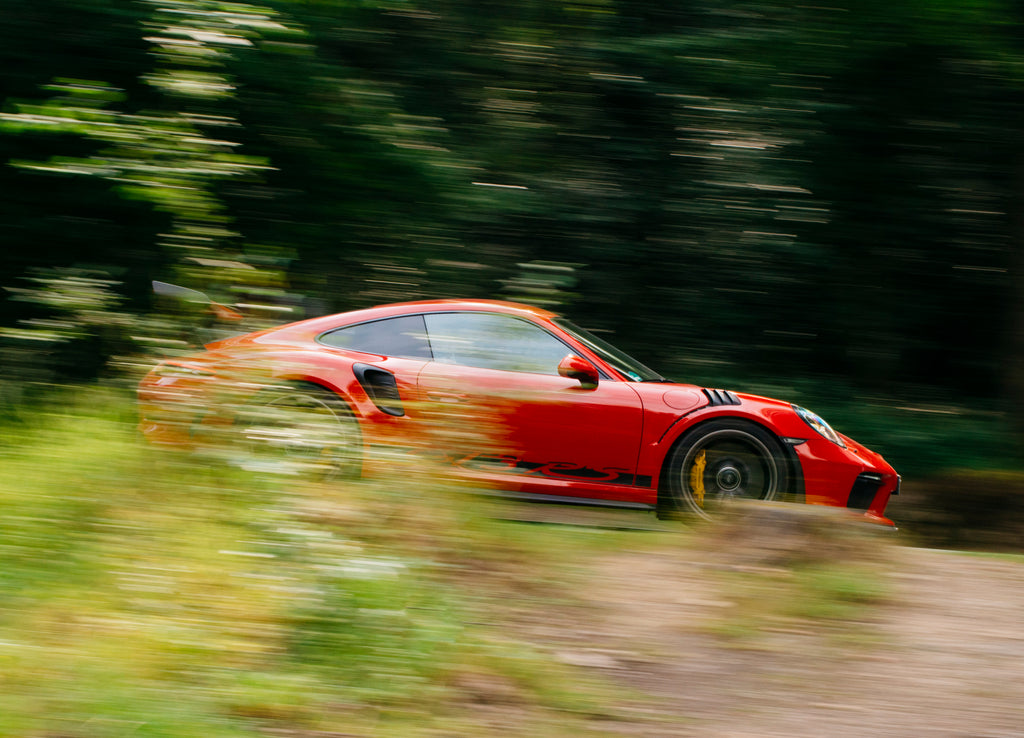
[{"x": 339, "y": 375}]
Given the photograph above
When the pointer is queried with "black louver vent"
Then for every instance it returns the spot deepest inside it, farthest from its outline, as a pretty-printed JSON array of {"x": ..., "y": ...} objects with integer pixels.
[
  {"x": 721, "y": 397},
  {"x": 864, "y": 490}
]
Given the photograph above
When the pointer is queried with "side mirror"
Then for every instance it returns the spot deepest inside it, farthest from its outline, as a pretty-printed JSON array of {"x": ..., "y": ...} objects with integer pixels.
[{"x": 576, "y": 367}]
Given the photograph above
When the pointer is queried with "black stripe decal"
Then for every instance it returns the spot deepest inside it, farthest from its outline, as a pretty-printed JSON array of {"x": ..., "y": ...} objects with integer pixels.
[{"x": 555, "y": 470}]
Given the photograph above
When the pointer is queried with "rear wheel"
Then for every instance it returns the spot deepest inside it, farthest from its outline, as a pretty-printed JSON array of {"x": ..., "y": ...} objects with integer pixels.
[
  {"x": 301, "y": 429},
  {"x": 726, "y": 460}
]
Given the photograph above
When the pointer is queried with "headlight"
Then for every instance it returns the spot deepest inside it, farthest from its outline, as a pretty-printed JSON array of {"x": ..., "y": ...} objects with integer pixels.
[{"x": 820, "y": 426}]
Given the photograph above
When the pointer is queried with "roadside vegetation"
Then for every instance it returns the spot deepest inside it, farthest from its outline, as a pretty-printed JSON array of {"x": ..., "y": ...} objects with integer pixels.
[
  {"x": 152, "y": 592},
  {"x": 155, "y": 592},
  {"x": 809, "y": 571}
]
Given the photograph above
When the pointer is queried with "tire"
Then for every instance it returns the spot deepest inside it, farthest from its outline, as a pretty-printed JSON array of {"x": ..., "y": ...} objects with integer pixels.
[
  {"x": 301, "y": 428},
  {"x": 722, "y": 461}
]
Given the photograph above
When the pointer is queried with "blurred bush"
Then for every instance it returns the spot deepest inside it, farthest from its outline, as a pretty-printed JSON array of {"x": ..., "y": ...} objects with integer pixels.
[
  {"x": 964, "y": 509},
  {"x": 172, "y": 594}
]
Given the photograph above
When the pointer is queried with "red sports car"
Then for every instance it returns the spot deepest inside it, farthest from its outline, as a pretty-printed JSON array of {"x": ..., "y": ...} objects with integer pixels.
[{"x": 580, "y": 420}]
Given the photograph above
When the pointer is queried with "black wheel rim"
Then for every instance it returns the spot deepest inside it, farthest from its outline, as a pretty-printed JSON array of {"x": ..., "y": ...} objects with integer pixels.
[{"x": 728, "y": 465}]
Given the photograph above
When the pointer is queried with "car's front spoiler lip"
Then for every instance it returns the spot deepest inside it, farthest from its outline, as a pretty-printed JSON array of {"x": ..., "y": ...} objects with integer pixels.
[{"x": 876, "y": 519}]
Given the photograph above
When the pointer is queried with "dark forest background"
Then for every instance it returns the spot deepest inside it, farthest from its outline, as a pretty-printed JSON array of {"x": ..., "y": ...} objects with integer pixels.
[{"x": 821, "y": 202}]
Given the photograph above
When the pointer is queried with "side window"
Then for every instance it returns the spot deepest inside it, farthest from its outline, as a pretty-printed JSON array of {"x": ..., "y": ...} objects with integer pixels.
[
  {"x": 403, "y": 337},
  {"x": 493, "y": 341}
]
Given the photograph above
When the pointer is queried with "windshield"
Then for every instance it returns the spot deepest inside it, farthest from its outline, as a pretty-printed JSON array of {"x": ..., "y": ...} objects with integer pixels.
[{"x": 619, "y": 360}]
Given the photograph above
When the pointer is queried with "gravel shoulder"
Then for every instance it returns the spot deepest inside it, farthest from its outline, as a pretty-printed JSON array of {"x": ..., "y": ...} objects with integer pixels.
[{"x": 942, "y": 655}]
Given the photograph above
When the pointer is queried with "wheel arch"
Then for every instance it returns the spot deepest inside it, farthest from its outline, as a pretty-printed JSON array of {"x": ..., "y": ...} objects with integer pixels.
[
  {"x": 283, "y": 386},
  {"x": 313, "y": 380},
  {"x": 795, "y": 486}
]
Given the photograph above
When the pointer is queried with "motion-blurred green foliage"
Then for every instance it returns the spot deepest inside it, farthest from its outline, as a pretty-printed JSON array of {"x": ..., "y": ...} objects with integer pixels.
[
  {"x": 159, "y": 593},
  {"x": 737, "y": 191}
]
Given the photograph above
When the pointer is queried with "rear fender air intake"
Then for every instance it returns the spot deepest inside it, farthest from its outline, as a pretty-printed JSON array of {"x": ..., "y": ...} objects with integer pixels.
[{"x": 381, "y": 387}]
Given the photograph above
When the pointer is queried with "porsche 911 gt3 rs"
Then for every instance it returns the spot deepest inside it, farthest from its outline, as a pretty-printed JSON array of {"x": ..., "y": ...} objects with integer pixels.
[{"x": 581, "y": 420}]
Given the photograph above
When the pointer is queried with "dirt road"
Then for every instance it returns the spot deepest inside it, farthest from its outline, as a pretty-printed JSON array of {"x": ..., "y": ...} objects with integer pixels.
[{"x": 942, "y": 655}]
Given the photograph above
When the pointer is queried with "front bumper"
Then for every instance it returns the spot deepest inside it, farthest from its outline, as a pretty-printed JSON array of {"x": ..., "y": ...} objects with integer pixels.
[{"x": 853, "y": 477}]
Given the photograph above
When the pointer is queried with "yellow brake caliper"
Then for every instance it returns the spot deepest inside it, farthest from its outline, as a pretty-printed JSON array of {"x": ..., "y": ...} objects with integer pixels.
[{"x": 697, "y": 477}]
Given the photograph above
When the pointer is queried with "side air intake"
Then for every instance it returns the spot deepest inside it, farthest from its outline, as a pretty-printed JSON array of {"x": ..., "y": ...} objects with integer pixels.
[
  {"x": 382, "y": 388},
  {"x": 864, "y": 489}
]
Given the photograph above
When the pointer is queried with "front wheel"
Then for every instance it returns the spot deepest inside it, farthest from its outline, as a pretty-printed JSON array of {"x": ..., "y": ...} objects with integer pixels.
[{"x": 722, "y": 461}]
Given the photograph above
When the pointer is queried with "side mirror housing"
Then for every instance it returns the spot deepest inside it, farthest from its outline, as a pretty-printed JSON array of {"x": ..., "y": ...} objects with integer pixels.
[{"x": 576, "y": 367}]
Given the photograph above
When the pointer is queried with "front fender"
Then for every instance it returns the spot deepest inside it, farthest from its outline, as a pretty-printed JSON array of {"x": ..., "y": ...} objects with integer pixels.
[{"x": 693, "y": 421}]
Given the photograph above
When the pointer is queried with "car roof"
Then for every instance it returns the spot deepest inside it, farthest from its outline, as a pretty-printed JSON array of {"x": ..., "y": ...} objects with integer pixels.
[
  {"x": 500, "y": 306},
  {"x": 305, "y": 330},
  {"x": 429, "y": 306}
]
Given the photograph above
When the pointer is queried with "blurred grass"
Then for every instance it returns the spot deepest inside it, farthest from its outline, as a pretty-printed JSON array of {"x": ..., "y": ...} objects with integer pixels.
[
  {"x": 152, "y": 592},
  {"x": 149, "y": 592},
  {"x": 831, "y": 603},
  {"x": 793, "y": 569}
]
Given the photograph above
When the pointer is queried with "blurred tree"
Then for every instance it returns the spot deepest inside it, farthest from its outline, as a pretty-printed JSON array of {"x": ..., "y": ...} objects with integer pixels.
[
  {"x": 167, "y": 157},
  {"x": 761, "y": 187}
]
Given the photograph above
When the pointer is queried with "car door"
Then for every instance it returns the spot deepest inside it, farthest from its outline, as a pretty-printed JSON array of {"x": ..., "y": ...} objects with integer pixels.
[{"x": 522, "y": 423}]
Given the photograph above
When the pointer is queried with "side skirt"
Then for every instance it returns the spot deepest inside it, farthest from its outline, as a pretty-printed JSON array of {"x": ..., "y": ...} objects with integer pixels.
[{"x": 566, "y": 500}]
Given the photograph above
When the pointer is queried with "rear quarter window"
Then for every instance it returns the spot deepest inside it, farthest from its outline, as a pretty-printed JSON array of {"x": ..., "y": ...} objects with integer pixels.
[{"x": 402, "y": 337}]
